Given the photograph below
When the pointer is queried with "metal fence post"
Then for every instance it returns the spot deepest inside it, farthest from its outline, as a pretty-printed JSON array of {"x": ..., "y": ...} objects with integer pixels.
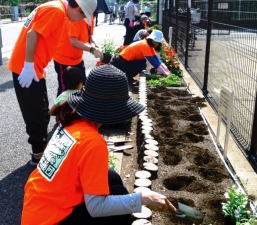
[
  {"x": 170, "y": 36},
  {"x": 253, "y": 148},
  {"x": 188, "y": 21},
  {"x": 1, "y": 45},
  {"x": 176, "y": 32},
  {"x": 207, "y": 49}
]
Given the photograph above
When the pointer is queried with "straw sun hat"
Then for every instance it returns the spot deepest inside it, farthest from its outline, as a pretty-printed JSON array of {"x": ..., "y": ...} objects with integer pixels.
[{"x": 105, "y": 98}]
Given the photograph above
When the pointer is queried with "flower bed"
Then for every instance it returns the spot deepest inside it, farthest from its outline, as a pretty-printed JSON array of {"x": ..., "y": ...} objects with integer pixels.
[
  {"x": 189, "y": 168},
  {"x": 170, "y": 58}
]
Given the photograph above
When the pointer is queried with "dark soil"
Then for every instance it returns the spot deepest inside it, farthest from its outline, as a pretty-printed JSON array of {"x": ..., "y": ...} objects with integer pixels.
[{"x": 190, "y": 170}]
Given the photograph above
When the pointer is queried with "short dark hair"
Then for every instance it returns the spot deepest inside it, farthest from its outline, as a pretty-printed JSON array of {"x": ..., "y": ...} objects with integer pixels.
[
  {"x": 72, "y": 76},
  {"x": 73, "y": 3},
  {"x": 65, "y": 115},
  {"x": 150, "y": 43}
]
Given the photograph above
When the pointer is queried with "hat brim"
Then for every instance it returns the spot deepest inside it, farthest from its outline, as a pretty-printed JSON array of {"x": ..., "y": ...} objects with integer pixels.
[
  {"x": 104, "y": 111},
  {"x": 156, "y": 39},
  {"x": 85, "y": 10}
]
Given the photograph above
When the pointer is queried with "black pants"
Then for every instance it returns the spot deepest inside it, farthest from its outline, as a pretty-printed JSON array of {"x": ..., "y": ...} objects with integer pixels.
[
  {"x": 80, "y": 215},
  {"x": 59, "y": 68},
  {"x": 148, "y": 14},
  {"x": 131, "y": 68},
  {"x": 129, "y": 33},
  {"x": 34, "y": 105},
  {"x": 96, "y": 18}
]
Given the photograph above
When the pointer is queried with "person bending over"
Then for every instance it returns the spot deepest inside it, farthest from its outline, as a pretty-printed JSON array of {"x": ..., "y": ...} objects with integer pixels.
[
  {"x": 72, "y": 183},
  {"x": 142, "y": 34},
  {"x": 34, "y": 49},
  {"x": 73, "y": 79},
  {"x": 77, "y": 37},
  {"x": 132, "y": 59},
  {"x": 143, "y": 23}
]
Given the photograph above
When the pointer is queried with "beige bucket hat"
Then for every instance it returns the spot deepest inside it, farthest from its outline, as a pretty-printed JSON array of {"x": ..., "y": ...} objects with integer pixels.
[{"x": 88, "y": 7}]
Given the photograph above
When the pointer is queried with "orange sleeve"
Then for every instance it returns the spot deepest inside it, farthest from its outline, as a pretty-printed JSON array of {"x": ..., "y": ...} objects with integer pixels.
[{"x": 49, "y": 20}]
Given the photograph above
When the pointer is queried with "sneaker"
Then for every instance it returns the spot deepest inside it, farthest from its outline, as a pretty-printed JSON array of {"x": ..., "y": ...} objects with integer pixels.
[{"x": 35, "y": 158}]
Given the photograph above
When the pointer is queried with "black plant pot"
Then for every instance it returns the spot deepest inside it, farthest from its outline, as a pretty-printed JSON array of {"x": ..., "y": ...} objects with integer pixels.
[
  {"x": 228, "y": 221},
  {"x": 106, "y": 58},
  {"x": 153, "y": 71}
]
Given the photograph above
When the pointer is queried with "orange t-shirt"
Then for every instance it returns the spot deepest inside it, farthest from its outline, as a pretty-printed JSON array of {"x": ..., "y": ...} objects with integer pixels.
[
  {"x": 75, "y": 162},
  {"x": 66, "y": 54},
  {"x": 47, "y": 20},
  {"x": 137, "y": 51}
]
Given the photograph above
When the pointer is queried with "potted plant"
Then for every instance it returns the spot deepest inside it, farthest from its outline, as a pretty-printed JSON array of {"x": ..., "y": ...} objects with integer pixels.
[
  {"x": 14, "y": 9},
  {"x": 109, "y": 50},
  {"x": 237, "y": 208}
]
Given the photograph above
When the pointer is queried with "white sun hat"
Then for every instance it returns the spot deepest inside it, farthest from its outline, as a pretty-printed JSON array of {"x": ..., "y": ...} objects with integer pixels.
[
  {"x": 88, "y": 7},
  {"x": 156, "y": 35}
]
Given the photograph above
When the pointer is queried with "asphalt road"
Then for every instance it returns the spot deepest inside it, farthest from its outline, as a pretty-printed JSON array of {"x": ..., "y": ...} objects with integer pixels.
[{"x": 14, "y": 149}]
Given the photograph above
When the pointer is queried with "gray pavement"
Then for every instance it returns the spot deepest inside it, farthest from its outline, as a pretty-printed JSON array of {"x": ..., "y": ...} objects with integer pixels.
[{"x": 14, "y": 149}]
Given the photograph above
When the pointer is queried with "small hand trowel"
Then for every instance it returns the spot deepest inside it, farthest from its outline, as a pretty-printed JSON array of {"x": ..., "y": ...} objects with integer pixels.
[{"x": 189, "y": 213}]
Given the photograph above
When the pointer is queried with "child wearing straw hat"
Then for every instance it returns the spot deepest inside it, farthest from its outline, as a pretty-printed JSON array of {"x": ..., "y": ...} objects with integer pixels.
[{"x": 72, "y": 183}]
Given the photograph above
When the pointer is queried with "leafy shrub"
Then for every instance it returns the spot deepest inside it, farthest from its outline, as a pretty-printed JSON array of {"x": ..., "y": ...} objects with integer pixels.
[
  {"x": 171, "y": 81},
  {"x": 237, "y": 207},
  {"x": 156, "y": 27},
  {"x": 112, "y": 162}
]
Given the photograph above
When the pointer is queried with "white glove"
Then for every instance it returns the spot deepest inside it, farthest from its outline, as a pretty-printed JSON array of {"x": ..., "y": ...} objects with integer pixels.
[
  {"x": 163, "y": 70},
  {"x": 28, "y": 73}
]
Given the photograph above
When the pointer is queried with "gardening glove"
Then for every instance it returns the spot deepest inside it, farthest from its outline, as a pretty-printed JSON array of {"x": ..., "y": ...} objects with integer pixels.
[
  {"x": 131, "y": 24},
  {"x": 28, "y": 73},
  {"x": 96, "y": 52},
  {"x": 163, "y": 70}
]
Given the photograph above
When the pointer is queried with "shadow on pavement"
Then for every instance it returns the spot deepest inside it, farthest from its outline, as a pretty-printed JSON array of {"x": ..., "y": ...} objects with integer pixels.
[
  {"x": 11, "y": 195},
  {"x": 6, "y": 85}
]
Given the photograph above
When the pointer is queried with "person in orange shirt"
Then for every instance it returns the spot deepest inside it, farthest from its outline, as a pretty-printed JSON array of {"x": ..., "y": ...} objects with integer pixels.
[
  {"x": 76, "y": 38},
  {"x": 33, "y": 50},
  {"x": 72, "y": 183},
  {"x": 132, "y": 59}
]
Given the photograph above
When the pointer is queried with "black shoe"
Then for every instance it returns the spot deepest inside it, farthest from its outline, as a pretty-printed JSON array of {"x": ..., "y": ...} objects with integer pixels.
[{"x": 35, "y": 158}]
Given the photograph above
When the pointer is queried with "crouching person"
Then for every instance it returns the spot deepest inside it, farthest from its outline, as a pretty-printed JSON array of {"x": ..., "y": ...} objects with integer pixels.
[
  {"x": 72, "y": 183},
  {"x": 132, "y": 59}
]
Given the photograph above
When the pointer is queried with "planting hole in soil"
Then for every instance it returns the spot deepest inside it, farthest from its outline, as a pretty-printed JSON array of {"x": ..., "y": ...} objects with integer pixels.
[
  {"x": 189, "y": 168},
  {"x": 178, "y": 183}
]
